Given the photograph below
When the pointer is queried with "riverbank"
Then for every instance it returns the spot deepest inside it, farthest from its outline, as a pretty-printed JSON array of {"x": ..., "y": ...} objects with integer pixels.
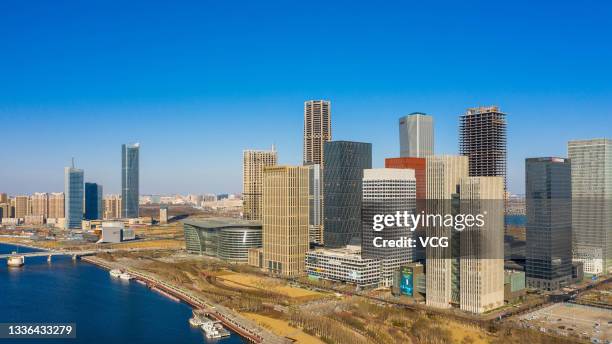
[{"x": 244, "y": 327}]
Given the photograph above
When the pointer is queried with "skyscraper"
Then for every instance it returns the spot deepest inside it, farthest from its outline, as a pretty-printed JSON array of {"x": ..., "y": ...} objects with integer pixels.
[
  {"x": 253, "y": 163},
  {"x": 94, "y": 207},
  {"x": 285, "y": 219},
  {"x": 481, "y": 249},
  {"x": 342, "y": 180},
  {"x": 129, "y": 180},
  {"x": 548, "y": 192},
  {"x": 3, "y": 197},
  {"x": 591, "y": 162},
  {"x": 73, "y": 190},
  {"x": 315, "y": 203},
  {"x": 387, "y": 191},
  {"x": 482, "y": 138},
  {"x": 416, "y": 135},
  {"x": 317, "y": 130},
  {"x": 443, "y": 175},
  {"x": 57, "y": 202},
  {"x": 416, "y": 164}
]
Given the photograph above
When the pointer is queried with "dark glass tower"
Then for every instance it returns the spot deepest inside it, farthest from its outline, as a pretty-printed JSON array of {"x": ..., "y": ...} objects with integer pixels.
[
  {"x": 342, "y": 185},
  {"x": 93, "y": 201},
  {"x": 129, "y": 180},
  {"x": 549, "y": 223}
]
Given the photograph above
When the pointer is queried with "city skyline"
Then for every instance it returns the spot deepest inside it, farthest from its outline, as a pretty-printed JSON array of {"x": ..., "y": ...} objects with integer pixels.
[{"x": 197, "y": 98}]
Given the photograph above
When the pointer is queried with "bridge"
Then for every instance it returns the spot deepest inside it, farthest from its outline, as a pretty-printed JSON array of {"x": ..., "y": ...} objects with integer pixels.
[{"x": 52, "y": 253}]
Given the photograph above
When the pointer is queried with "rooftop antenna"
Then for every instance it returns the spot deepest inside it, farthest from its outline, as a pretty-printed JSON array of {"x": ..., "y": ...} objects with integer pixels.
[
  {"x": 72, "y": 162},
  {"x": 273, "y": 148}
]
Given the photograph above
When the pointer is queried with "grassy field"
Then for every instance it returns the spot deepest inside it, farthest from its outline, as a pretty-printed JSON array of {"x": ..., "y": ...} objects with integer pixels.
[
  {"x": 282, "y": 328},
  {"x": 263, "y": 283}
]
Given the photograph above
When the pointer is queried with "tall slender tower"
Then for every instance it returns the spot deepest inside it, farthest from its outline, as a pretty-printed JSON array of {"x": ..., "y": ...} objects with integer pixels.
[
  {"x": 342, "y": 180},
  {"x": 253, "y": 163},
  {"x": 548, "y": 198},
  {"x": 129, "y": 180},
  {"x": 317, "y": 130},
  {"x": 285, "y": 219},
  {"x": 94, "y": 206},
  {"x": 592, "y": 203},
  {"x": 74, "y": 193},
  {"x": 443, "y": 176},
  {"x": 416, "y": 135},
  {"x": 481, "y": 249},
  {"x": 482, "y": 138}
]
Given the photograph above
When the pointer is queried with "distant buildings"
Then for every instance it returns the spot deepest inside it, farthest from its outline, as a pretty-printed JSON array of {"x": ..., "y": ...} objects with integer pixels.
[
  {"x": 285, "y": 219},
  {"x": 317, "y": 130},
  {"x": 591, "y": 162},
  {"x": 129, "y": 180},
  {"x": 342, "y": 180},
  {"x": 548, "y": 196},
  {"x": 253, "y": 163},
  {"x": 57, "y": 202},
  {"x": 163, "y": 214},
  {"x": 112, "y": 207},
  {"x": 387, "y": 191},
  {"x": 22, "y": 207},
  {"x": 94, "y": 206},
  {"x": 74, "y": 193},
  {"x": 416, "y": 134},
  {"x": 315, "y": 203},
  {"x": 482, "y": 138},
  {"x": 225, "y": 238}
]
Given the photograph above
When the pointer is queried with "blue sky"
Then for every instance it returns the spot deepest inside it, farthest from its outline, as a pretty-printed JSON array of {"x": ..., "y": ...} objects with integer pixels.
[{"x": 197, "y": 82}]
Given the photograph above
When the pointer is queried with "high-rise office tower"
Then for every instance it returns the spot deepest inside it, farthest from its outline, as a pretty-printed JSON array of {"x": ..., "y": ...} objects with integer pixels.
[
  {"x": 94, "y": 207},
  {"x": 342, "y": 180},
  {"x": 57, "y": 201},
  {"x": 481, "y": 249},
  {"x": 40, "y": 204},
  {"x": 416, "y": 135},
  {"x": 285, "y": 219},
  {"x": 317, "y": 130},
  {"x": 416, "y": 164},
  {"x": 443, "y": 176},
  {"x": 591, "y": 162},
  {"x": 129, "y": 180},
  {"x": 482, "y": 138},
  {"x": 22, "y": 207},
  {"x": 548, "y": 198},
  {"x": 74, "y": 193},
  {"x": 315, "y": 203},
  {"x": 112, "y": 207},
  {"x": 387, "y": 191},
  {"x": 253, "y": 163}
]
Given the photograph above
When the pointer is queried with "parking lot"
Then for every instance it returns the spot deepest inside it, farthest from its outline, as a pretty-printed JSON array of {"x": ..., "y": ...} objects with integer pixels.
[{"x": 571, "y": 319}]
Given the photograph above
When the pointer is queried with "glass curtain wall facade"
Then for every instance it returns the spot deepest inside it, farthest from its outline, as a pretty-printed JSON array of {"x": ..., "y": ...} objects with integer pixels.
[{"x": 129, "y": 180}]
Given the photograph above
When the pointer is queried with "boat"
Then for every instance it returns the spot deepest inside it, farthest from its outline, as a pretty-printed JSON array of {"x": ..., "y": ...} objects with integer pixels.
[
  {"x": 15, "y": 260},
  {"x": 115, "y": 272},
  {"x": 125, "y": 276},
  {"x": 195, "y": 322},
  {"x": 213, "y": 329}
]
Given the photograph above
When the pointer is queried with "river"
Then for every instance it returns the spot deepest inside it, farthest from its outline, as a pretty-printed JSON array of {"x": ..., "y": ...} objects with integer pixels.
[{"x": 105, "y": 309}]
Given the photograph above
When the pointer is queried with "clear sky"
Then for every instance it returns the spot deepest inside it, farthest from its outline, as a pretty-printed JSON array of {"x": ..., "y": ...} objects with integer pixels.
[{"x": 197, "y": 82}]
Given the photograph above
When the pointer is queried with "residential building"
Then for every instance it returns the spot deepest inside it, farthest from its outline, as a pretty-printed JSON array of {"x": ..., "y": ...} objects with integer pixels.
[
  {"x": 285, "y": 219},
  {"x": 342, "y": 180},
  {"x": 22, "y": 207},
  {"x": 548, "y": 197},
  {"x": 591, "y": 162},
  {"x": 163, "y": 214},
  {"x": 317, "y": 130},
  {"x": 40, "y": 204},
  {"x": 112, "y": 207},
  {"x": 253, "y": 163},
  {"x": 416, "y": 134},
  {"x": 130, "y": 180},
  {"x": 57, "y": 201}
]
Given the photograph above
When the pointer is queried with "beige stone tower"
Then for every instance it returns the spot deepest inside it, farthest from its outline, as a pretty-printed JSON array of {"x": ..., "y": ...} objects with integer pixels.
[
  {"x": 253, "y": 164},
  {"x": 317, "y": 130}
]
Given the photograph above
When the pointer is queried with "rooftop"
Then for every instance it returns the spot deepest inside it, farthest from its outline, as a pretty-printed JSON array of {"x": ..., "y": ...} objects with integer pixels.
[{"x": 221, "y": 222}]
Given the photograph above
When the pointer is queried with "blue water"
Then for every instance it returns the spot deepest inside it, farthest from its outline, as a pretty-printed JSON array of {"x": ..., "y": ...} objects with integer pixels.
[{"x": 105, "y": 310}]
